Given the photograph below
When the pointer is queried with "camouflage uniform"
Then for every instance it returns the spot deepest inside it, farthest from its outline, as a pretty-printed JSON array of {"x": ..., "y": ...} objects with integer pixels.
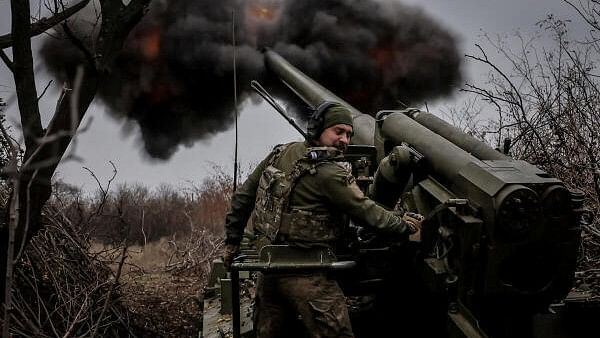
[{"x": 322, "y": 194}]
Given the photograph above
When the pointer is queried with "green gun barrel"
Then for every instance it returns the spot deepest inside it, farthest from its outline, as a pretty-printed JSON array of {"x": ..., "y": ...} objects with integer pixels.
[
  {"x": 464, "y": 141},
  {"x": 314, "y": 94}
]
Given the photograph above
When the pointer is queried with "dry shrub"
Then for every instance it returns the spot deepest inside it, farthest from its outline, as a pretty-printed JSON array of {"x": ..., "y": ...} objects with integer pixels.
[
  {"x": 61, "y": 289},
  {"x": 190, "y": 255},
  {"x": 194, "y": 255},
  {"x": 212, "y": 199}
]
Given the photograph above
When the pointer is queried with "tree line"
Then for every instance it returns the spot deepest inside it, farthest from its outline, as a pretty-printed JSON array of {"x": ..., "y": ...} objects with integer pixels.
[{"x": 136, "y": 214}]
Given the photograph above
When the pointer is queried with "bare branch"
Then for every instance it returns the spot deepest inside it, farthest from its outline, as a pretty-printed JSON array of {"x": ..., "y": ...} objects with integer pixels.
[
  {"x": 585, "y": 15},
  {"x": 489, "y": 63},
  {"x": 102, "y": 189},
  {"x": 79, "y": 44},
  {"x": 111, "y": 290},
  {"x": 44, "y": 91},
  {"x": 32, "y": 162},
  {"x": 44, "y": 24},
  {"x": 7, "y": 61}
]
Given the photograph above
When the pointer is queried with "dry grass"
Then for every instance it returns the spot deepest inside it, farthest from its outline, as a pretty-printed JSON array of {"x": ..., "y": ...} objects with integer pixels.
[
  {"x": 150, "y": 258},
  {"x": 163, "y": 281}
]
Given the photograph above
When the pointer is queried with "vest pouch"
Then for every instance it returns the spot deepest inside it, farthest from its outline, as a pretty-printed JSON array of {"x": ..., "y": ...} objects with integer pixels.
[
  {"x": 307, "y": 226},
  {"x": 273, "y": 190}
]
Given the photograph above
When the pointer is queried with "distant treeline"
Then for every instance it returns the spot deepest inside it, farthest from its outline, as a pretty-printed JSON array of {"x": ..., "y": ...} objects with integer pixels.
[{"x": 137, "y": 214}]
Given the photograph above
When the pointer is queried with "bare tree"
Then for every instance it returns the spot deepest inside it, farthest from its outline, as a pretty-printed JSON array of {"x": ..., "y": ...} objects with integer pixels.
[
  {"x": 44, "y": 148},
  {"x": 548, "y": 102}
]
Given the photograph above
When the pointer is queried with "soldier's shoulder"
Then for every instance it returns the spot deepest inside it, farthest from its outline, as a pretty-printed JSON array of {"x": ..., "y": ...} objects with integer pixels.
[
  {"x": 286, "y": 148},
  {"x": 332, "y": 174},
  {"x": 290, "y": 145},
  {"x": 334, "y": 168},
  {"x": 287, "y": 154}
]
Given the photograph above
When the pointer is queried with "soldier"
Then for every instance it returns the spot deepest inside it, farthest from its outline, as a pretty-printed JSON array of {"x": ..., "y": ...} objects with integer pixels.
[{"x": 301, "y": 194}]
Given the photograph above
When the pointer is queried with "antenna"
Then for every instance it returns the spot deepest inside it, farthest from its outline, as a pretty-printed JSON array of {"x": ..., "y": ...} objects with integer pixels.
[
  {"x": 235, "y": 103},
  {"x": 270, "y": 100}
]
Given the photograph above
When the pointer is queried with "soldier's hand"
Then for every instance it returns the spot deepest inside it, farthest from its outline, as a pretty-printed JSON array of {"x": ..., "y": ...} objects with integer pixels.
[
  {"x": 413, "y": 221},
  {"x": 231, "y": 251}
]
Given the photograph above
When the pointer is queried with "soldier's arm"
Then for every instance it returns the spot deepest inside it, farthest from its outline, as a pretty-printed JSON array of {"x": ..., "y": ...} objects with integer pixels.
[
  {"x": 242, "y": 204},
  {"x": 341, "y": 190}
]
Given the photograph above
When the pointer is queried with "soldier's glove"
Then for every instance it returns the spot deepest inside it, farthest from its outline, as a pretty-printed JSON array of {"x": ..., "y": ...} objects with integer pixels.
[
  {"x": 413, "y": 221},
  {"x": 231, "y": 251}
]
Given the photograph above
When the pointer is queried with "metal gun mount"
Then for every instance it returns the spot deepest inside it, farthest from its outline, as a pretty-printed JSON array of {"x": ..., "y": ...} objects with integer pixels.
[
  {"x": 499, "y": 244},
  {"x": 272, "y": 259}
]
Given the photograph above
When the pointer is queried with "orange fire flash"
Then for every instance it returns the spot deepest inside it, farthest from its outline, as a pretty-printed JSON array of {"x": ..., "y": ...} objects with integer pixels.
[
  {"x": 383, "y": 57},
  {"x": 263, "y": 13},
  {"x": 150, "y": 44},
  {"x": 263, "y": 10}
]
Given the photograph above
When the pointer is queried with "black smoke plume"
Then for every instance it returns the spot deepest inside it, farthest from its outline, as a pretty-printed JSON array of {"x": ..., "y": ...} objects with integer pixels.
[{"x": 175, "y": 75}]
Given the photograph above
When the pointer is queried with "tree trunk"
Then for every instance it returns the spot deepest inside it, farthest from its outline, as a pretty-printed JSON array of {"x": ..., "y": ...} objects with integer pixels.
[
  {"x": 35, "y": 183},
  {"x": 42, "y": 159}
]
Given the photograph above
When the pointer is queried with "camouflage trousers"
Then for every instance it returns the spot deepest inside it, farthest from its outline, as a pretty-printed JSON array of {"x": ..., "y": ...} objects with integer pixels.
[{"x": 314, "y": 299}]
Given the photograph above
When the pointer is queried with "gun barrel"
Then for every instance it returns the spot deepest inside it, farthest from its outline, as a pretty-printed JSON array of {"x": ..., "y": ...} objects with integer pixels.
[
  {"x": 464, "y": 141},
  {"x": 314, "y": 94},
  {"x": 445, "y": 157}
]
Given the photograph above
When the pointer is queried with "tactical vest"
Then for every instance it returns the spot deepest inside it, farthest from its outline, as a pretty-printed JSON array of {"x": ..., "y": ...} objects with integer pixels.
[{"x": 274, "y": 220}]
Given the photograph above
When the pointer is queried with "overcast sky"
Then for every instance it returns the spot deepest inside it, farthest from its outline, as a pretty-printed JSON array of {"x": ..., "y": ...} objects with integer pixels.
[{"x": 107, "y": 139}]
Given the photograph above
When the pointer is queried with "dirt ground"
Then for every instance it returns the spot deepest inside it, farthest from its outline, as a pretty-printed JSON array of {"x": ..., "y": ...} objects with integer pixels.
[{"x": 163, "y": 305}]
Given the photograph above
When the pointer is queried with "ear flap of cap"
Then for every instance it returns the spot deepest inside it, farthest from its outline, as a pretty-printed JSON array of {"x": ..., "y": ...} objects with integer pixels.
[{"x": 315, "y": 124}]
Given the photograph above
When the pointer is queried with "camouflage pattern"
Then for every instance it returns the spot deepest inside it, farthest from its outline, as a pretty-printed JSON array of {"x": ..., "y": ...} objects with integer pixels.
[
  {"x": 317, "y": 300},
  {"x": 271, "y": 199},
  {"x": 327, "y": 188},
  {"x": 301, "y": 226},
  {"x": 303, "y": 197},
  {"x": 275, "y": 220}
]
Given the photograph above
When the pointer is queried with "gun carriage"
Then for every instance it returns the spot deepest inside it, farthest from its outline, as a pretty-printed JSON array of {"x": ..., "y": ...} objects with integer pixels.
[{"x": 498, "y": 246}]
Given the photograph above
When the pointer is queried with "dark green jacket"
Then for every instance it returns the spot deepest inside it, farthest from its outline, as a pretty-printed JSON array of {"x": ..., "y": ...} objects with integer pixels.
[{"x": 331, "y": 188}]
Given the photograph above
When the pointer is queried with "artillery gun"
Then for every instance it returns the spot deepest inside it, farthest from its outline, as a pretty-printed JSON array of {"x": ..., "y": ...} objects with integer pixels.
[{"x": 498, "y": 248}]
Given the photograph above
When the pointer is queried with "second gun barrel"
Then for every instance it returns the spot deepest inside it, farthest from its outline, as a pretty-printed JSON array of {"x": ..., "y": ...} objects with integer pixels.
[
  {"x": 464, "y": 141},
  {"x": 446, "y": 158}
]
